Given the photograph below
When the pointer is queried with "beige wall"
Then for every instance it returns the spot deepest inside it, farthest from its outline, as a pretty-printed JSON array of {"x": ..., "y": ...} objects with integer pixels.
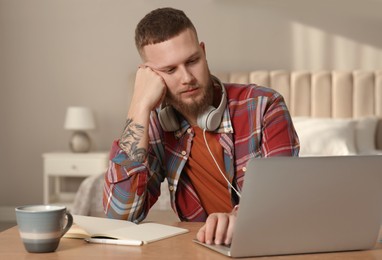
[{"x": 54, "y": 54}]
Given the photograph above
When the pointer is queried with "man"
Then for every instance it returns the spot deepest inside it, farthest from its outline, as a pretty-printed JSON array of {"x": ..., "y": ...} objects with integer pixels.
[{"x": 204, "y": 168}]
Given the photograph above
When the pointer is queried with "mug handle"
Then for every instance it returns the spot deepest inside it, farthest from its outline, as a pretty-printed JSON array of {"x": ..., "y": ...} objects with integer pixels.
[{"x": 69, "y": 223}]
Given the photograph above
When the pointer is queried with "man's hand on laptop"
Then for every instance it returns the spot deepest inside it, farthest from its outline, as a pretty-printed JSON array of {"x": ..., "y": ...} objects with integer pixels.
[{"x": 218, "y": 228}]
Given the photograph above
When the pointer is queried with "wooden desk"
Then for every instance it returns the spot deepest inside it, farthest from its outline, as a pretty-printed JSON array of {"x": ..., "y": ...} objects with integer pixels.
[{"x": 179, "y": 247}]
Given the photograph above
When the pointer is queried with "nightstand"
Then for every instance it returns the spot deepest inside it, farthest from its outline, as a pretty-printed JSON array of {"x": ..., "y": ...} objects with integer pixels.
[{"x": 57, "y": 166}]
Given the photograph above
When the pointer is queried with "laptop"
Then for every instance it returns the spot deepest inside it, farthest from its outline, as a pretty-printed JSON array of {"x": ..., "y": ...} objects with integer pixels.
[{"x": 292, "y": 205}]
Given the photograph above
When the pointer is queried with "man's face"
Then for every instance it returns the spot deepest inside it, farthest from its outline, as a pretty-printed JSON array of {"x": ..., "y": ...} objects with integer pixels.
[{"x": 182, "y": 63}]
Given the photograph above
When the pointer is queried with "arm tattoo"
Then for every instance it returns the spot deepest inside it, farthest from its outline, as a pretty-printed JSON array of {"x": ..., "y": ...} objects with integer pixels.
[{"x": 130, "y": 138}]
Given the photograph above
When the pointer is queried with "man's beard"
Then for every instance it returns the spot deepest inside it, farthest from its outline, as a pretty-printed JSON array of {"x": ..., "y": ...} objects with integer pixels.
[{"x": 196, "y": 107}]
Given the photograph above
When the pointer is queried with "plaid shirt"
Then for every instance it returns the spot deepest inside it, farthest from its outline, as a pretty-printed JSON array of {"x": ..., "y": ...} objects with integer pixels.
[{"x": 256, "y": 123}]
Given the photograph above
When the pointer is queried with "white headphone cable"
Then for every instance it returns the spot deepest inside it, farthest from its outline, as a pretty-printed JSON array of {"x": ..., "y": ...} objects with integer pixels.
[{"x": 209, "y": 150}]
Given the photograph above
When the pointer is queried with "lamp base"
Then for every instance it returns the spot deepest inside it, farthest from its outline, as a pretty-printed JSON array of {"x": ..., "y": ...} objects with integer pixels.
[{"x": 80, "y": 142}]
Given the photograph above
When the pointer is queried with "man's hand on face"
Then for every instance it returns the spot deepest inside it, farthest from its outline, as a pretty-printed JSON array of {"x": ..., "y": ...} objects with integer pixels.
[
  {"x": 218, "y": 229},
  {"x": 149, "y": 89}
]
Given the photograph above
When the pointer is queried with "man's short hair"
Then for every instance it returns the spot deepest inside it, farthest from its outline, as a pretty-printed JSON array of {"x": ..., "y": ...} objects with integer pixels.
[{"x": 161, "y": 25}]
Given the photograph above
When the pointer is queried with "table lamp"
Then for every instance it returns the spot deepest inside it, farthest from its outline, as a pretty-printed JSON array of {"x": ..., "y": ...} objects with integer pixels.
[{"x": 79, "y": 119}]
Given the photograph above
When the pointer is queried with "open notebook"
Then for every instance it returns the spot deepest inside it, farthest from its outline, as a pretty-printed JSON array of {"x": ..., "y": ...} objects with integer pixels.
[
  {"x": 93, "y": 227},
  {"x": 305, "y": 205}
]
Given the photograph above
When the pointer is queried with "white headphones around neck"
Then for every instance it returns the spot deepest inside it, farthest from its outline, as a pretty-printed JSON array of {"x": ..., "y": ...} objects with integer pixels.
[{"x": 209, "y": 120}]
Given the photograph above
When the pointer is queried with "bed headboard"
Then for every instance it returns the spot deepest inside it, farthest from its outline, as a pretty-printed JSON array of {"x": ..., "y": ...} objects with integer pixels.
[{"x": 336, "y": 94}]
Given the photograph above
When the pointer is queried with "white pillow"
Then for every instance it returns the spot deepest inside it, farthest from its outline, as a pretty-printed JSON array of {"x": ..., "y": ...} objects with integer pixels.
[
  {"x": 365, "y": 138},
  {"x": 325, "y": 136}
]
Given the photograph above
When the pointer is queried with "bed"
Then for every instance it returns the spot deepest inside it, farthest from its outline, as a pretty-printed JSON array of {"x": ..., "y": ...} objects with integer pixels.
[{"x": 343, "y": 108}]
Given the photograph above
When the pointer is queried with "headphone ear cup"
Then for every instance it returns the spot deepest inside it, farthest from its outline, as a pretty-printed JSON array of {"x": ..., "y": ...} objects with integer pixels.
[
  {"x": 206, "y": 120},
  {"x": 212, "y": 117},
  {"x": 167, "y": 119}
]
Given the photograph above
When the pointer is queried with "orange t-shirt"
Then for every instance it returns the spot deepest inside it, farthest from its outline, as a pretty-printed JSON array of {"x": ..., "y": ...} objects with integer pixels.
[{"x": 208, "y": 182}]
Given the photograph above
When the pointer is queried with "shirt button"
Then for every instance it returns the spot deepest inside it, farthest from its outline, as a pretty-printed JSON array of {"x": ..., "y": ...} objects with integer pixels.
[
  {"x": 171, "y": 188},
  {"x": 184, "y": 153},
  {"x": 189, "y": 130},
  {"x": 244, "y": 169}
]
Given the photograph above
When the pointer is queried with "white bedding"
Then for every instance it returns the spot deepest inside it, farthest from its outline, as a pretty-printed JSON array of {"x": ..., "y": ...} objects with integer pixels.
[{"x": 332, "y": 136}]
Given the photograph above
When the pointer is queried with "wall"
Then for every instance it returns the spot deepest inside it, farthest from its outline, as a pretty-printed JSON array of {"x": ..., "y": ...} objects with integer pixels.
[{"x": 54, "y": 54}]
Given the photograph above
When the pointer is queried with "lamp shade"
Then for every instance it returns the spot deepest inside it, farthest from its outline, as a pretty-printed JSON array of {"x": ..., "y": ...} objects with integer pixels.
[{"x": 79, "y": 118}]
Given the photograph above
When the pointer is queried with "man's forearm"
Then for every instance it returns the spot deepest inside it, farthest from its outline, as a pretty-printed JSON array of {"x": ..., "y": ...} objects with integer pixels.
[{"x": 132, "y": 141}]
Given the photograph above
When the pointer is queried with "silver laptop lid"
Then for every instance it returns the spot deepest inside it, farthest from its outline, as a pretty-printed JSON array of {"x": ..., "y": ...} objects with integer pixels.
[{"x": 310, "y": 204}]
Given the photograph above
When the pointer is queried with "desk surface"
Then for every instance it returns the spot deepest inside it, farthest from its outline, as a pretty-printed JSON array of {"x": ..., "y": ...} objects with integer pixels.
[{"x": 179, "y": 247}]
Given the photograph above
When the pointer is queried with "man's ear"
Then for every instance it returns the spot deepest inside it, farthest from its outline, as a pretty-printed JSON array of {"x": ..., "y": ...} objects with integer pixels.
[
  {"x": 142, "y": 54},
  {"x": 203, "y": 46}
]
